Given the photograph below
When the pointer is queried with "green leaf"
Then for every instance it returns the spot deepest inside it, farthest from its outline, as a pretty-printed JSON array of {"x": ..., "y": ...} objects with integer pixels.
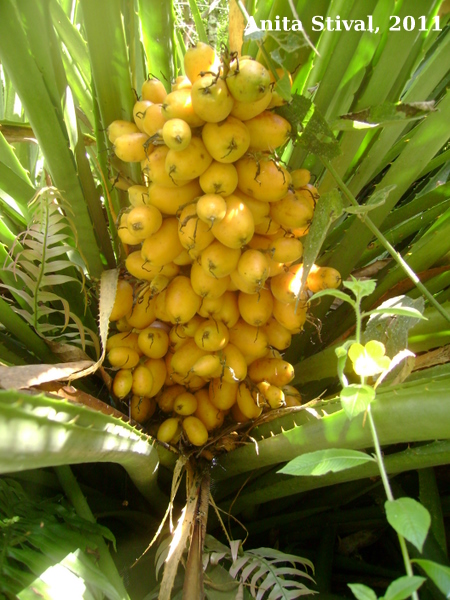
[
  {"x": 360, "y": 287},
  {"x": 355, "y": 399},
  {"x": 376, "y": 116},
  {"x": 362, "y": 592},
  {"x": 329, "y": 207},
  {"x": 404, "y": 311},
  {"x": 324, "y": 461},
  {"x": 403, "y": 587},
  {"x": 410, "y": 519},
  {"x": 439, "y": 574}
]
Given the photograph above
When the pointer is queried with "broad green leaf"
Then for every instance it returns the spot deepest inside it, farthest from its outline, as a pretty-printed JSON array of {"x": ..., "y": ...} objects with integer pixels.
[
  {"x": 336, "y": 293},
  {"x": 403, "y": 587},
  {"x": 324, "y": 461},
  {"x": 410, "y": 519},
  {"x": 439, "y": 574},
  {"x": 355, "y": 399},
  {"x": 362, "y": 592}
]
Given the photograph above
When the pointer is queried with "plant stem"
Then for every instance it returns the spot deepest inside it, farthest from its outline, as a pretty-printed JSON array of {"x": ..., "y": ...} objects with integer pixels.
[
  {"x": 392, "y": 251},
  {"x": 389, "y": 494},
  {"x": 75, "y": 495}
]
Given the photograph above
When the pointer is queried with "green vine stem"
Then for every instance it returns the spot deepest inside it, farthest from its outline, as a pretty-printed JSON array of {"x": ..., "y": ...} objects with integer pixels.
[
  {"x": 75, "y": 495},
  {"x": 389, "y": 495},
  {"x": 377, "y": 233}
]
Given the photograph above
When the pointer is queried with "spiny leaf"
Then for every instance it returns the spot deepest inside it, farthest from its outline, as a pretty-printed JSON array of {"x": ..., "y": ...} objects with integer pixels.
[{"x": 384, "y": 114}]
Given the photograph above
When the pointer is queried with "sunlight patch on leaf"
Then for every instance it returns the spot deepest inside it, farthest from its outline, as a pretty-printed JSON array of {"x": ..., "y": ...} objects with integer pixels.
[{"x": 325, "y": 461}]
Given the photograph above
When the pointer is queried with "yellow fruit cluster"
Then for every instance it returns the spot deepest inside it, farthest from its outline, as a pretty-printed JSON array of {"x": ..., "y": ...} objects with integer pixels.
[{"x": 213, "y": 239}]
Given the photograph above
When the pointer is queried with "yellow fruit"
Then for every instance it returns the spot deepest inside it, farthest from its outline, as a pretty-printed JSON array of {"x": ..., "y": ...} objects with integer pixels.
[
  {"x": 153, "y": 90},
  {"x": 121, "y": 357},
  {"x": 205, "y": 285},
  {"x": 267, "y": 226},
  {"x": 181, "y": 82},
  {"x": 273, "y": 370},
  {"x": 142, "y": 408},
  {"x": 292, "y": 211},
  {"x": 139, "y": 109},
  {"x": 166, "y": 399},
  {"x": 229, "y": 311},
  {"x": 154, "y": 169},
  {"x": 248, "y": 339},
  {"x": 262, "y": 178},
  {"x": 123, "y": 232},
  {"x": 160, "y": 307},
  {"x": 247, "y": 403},
  {"x": 268, "y": 131},
  {"x": 185, "y": 404},
  {"x": 323, "y": 278},
  {"x": 290, "y": 317},
  {"x": 286, "y": 286},
  {"x": 199, "y": 58},
  {"x": 157, "y": 368},
  {"x": 168, "y": 430},
  {"x": 277, "y": 336},
  {"x": 123, "y": 301},
  {"x": 260, "y": 210},
  {"x": 244, "y": 285},
  {"x": 219, "y": 178},
  {"x": 195, "y": 431},
  {"x": 178, "y": 105},
  {"x": 142, "y": 381},
  {"x": 122, "y": 383},
  {"x": 132, "y": 147},
  {"x": 142, "y": 269},
  {"x": 208, "y": 366},
  {"x": 209, "y": 415},
  {"x": 185, "y": 357},
  {"x": 292, "y": 396},
  {"x": 118, "y": 128},
  {"x": 300, "y": 178},
  {"x": 153, "y": 342},
  {"x": 238, "y": 415},
  {"x": 176, "y": 134},
  {"x": 138, "y": 195},
  {"x": 211, "y": 208},
  {"x": 211, "y": 99},
  {"x": 127, "y": 339},
  {"x": 226, "y": 141},
  {"x": 194, "y": 234},
  {"x": 188, "y": 163},
  {"x": 182, "y": 302},
  {"x": 144, "y": 221},
  {"x": 235, "y": 365},
  {"x": 183, "y": 258},
  {"x": 272, "y": 394},
  {"x": 177, "y": 337},
  {"x": 248, "y": 80},
  {"x": 256, "y": 309},
  {"x": 253, "y": 266},
  {"x": 222, "y": 394},
  {"x": 170, "y": 200},
  {"x": 211, "y": 336},
  {"x": 248, "y": 110},
  {"x": 219, "y": 260},
  {"x": 192, "y": 325},
  {"x": 153, "y": 120},
  {"x": 163, "y": 246},
  {"x": 286, "y": 249},
  {"x": 237, "y": 227}
]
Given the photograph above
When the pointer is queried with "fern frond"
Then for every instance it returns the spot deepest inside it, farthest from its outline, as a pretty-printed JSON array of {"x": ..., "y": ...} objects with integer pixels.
[
  {"x": 46, "y": 257},
  {"x": 268, "y": 573}
]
